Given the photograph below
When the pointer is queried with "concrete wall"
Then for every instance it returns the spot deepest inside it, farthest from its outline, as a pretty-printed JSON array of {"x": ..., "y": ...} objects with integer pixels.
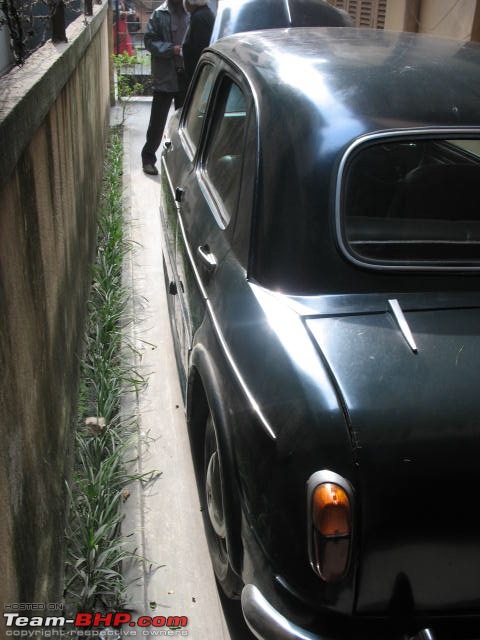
[
  {"x": 395, "y": 15},
  {"x": 53, "y": 124},
  {"x": 449, "y": 18}
]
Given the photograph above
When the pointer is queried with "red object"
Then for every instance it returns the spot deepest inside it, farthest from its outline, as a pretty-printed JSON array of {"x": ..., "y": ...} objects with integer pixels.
[{"x": 121, "y": 36}]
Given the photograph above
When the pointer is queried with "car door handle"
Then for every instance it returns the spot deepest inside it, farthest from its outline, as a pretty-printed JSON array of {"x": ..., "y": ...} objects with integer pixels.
[
  {"x": 179, "y": 192},
  {"x": 207, "y": 257}
]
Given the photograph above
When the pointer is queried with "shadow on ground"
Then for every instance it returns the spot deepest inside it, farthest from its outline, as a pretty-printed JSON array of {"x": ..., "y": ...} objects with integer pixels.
[{"x": 236, "y": 624}]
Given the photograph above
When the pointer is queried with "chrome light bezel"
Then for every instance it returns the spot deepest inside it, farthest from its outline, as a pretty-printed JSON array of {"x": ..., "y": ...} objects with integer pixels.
[{"x": 316, "y": 479}]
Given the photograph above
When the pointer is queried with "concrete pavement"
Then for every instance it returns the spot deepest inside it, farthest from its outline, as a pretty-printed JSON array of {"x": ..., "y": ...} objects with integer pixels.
[{"x": 165, "y": 513}]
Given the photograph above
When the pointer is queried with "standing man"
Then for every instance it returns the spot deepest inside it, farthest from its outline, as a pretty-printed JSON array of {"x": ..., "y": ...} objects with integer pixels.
[
  {"x": 198, "y": 34},
  {"x": 166, "y": 30}
]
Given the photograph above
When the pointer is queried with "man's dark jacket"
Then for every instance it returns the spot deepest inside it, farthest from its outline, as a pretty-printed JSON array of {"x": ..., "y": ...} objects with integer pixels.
[{"x": 158, "y": 40}]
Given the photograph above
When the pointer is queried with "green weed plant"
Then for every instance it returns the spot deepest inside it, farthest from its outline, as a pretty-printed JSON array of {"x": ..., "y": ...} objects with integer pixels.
[
  {"x": 96, "y": 546},
  {"x": 124, "y": 64}
]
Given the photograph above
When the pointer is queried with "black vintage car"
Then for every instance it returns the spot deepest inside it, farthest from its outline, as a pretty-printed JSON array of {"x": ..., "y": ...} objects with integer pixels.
[{"x": 321, "y": 215}]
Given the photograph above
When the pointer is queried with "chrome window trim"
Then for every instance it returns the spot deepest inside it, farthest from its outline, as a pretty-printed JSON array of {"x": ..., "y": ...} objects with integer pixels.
[
  {"x": 227, "y": 67},
  {"x": 187, "y": 144},
  {"x": 245, "y": 388},
  {"x": 320, "y": 477},
  {"x": 433, "y": 133},
  {"x": 221, "y": 215},
  {"x": 184, "y": 135},
  {"x": 213, "y": 199}
]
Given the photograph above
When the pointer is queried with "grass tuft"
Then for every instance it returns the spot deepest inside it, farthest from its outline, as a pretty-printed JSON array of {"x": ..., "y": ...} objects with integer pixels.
[{"x": 96, "y": 547}]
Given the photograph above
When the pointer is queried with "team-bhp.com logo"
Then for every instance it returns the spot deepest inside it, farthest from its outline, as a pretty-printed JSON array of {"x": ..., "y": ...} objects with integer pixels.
[{"x": 15, "y": 623}]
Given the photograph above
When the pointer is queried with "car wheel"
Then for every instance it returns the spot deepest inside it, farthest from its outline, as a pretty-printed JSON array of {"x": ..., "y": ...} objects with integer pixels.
[{"x": 215, "y": 515}]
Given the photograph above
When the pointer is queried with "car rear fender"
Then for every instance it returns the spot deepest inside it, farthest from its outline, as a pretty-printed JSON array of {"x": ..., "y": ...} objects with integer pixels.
[{"x": 204, "y": 395}]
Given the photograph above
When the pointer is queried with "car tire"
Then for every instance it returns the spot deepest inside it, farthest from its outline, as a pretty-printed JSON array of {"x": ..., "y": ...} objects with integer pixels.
[{"x": 214, "y": 514}]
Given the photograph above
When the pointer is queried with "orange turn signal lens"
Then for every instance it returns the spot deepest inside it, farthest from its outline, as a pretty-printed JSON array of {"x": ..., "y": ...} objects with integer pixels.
[{"x": 331, "y": 510}]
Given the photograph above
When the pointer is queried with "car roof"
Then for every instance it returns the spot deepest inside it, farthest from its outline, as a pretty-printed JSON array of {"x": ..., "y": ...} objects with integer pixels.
[{"x": 360, "y": 80}]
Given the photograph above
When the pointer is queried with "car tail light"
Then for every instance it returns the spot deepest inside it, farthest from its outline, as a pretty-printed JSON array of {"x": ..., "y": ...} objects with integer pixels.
[{"x": 330, "y": 524}]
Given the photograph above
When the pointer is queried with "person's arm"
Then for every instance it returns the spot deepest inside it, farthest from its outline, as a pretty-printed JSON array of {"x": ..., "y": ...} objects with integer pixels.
[{"x": 154, "y": 39}]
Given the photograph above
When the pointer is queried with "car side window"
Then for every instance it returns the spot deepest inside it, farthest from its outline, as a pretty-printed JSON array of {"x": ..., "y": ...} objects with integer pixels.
[
  {"x": 198, "y": 106},
  {"x": 224, "y": 155}
]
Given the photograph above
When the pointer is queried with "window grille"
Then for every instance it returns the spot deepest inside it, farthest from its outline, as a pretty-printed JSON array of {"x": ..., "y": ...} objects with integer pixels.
[{"x": 365, "y": 13}]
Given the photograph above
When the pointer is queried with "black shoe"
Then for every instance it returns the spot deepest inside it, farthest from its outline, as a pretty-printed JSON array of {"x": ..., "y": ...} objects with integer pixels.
[{"x": 151, "y": 169}]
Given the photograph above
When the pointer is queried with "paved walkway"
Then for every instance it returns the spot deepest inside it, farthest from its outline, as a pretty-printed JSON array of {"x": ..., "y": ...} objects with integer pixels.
[{"x": 165, "y": 513}]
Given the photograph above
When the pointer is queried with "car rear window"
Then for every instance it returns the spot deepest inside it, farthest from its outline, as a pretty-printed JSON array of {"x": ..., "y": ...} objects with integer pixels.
[{"x": 412, "y": 203}]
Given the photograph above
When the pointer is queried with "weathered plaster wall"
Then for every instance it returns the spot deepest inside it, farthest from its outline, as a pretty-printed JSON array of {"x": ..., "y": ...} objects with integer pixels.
[
  {"x": 448, "y": 18},
  {"x": 395, "y": 15},
  {"x": 53, "y": 124}
]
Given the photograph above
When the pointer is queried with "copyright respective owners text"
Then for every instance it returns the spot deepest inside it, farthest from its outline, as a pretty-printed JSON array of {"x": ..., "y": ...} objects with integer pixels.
[
  {"x": 103, "y": 634},
  {"x": 38, "y": 620}
]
